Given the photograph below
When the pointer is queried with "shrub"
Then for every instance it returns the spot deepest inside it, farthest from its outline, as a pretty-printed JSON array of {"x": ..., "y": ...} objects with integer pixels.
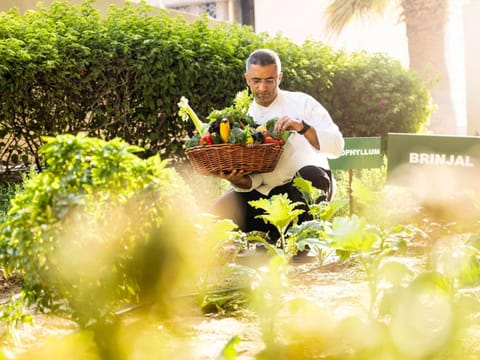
[
  {"x": 372, "y": 95},
  {"x": 97, "y": 228},
  {"x": 65, "y": 69}
]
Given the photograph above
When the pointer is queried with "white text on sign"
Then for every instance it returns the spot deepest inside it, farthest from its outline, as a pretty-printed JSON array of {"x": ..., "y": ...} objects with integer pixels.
[{"x": 440, "y": 159}]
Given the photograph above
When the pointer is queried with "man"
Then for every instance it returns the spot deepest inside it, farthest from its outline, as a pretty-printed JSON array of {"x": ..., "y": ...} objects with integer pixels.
[{"x": 314, "y": 138}]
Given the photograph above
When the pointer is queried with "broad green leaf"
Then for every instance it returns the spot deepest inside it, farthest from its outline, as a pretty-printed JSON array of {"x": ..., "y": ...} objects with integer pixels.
[
  {"x": 230, "y": 352},
  {"x": 351, "y": 234},
  {"x": 279, "y": 211}
]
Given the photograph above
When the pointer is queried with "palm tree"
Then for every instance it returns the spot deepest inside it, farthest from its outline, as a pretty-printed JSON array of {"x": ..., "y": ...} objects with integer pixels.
[{"x": 425, "y": 22}]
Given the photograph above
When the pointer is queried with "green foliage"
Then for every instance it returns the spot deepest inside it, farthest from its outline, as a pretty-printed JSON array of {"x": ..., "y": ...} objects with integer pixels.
[
  {"x": 82, "y": 231},
  {"x": 366, "y": 94},
  {"x": 238, "y": 112},
  {"x": 65, "y": 69},
  {"x": 7, "y": 191},
  {"x": 229, "y": 352},
  {"x": 13, "y": 314},
  {"x": 309, "y": 192},
  {"x": 267, "y": 296},
  {"x": 280, "y": 212},
  {"x": 382, "y": 96},
  {"x": 417, "y": 310},
  {"x": 350, "y": 234}
]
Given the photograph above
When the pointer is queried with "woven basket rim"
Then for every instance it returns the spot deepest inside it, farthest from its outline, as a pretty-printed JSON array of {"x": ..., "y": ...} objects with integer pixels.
[
  {"x": 216, "y": 158},
  {"x": 229, "y": 145}
]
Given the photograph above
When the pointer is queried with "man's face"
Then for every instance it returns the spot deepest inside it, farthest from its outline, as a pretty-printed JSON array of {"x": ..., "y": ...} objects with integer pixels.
[{"x": 263, "y": 82}]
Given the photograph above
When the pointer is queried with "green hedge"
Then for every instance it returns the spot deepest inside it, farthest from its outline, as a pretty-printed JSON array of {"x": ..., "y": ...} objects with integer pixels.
[
  {"x": 65, "y": 69},
  {"x": 385, "y": 97}
]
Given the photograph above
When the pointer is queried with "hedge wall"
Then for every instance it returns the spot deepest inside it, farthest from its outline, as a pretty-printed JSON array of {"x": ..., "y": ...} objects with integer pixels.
[{"x": 66, "y": 69}]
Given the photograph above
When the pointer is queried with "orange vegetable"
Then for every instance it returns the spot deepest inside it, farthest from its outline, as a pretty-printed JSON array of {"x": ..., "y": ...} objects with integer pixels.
[
  {"x": 268, "y": 140},
  {"x": 271, "y": 140}
]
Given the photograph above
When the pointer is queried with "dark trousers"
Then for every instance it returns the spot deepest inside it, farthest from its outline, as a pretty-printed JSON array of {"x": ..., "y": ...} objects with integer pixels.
[{"x": 234, "y": 205}]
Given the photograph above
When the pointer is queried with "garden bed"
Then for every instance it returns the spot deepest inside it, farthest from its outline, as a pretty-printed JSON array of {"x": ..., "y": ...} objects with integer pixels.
[{"x": 339, "y": 288}]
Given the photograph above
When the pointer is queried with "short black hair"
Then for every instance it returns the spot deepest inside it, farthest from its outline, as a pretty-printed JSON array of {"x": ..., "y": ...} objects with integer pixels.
[{"x": 264, "y": 57}]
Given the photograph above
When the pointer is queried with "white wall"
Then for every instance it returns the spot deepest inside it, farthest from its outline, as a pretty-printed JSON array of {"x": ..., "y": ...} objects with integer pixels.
[
  {"x": 472, "y": 65},
  {"x": 301, "y": 19}
]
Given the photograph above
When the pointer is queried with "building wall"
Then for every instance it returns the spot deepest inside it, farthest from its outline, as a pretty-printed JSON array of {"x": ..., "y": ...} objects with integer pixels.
[
  {"x": 471, "y": 13},
  {"x": 382, "y": 33},
  {"x": 101, "y": 5},
  {"x": 24, "y": 5}
]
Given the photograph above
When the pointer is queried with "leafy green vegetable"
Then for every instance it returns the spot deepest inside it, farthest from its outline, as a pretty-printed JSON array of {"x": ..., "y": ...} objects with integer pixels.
[
  {"x": 238, "y": 112},
  {"x": 229, "y": 351},
  {"x": 279, "y": 211},
  {"x": 187, "y": 112},
  {"x": 193, "y": 141},
  {"x": 237, "y": 136},
  {"x": 270, "y": 124}
]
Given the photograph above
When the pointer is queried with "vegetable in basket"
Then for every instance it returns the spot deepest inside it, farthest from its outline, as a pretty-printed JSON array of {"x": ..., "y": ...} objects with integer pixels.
[
  {"x": 231, "y": 125},
  {"x": 187, "y": 112},
  {"x": 224, "y": 129},
  {"x": 237, "y": 136}
]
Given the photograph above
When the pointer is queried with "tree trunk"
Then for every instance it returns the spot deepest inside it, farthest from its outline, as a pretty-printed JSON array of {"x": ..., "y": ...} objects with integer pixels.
[{"x": 425, "y": 23}]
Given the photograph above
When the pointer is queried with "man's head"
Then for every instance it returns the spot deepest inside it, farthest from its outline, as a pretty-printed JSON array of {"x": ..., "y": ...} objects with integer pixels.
[{"x": 263, "y": 75}]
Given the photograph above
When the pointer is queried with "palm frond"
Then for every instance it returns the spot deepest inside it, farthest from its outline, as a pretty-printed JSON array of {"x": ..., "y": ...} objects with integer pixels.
[{"x": 341, "y": 12}]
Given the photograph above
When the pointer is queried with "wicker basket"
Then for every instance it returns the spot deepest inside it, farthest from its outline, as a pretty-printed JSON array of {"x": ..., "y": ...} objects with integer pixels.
[{"x": 254, "y": 158}]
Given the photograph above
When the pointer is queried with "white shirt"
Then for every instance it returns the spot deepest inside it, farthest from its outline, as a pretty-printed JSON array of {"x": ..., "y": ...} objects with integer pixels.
[{"x": 298, "y": 152}]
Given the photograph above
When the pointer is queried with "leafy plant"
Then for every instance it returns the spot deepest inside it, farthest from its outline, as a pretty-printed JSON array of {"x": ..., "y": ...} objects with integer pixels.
[
  {"x": 318, "y": 208},
  {"x": 283, "y": 214},
  {"x": 7, "y": 192},
  {"x": 229, "y": 352},
  {"x": 267, "y": 296},
  {"x": 385, "y": 102},
  {"x": 77, "y": 229},
  {"x": 13, "y": 314},
  {"x": 352, "y": 236},
  {"x": 280, "y": 212}
]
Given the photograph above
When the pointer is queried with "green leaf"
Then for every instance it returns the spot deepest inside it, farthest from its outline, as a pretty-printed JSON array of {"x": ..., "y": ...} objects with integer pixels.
[
  {"x": 393, "y": 272},
  {"x": 351, "y": 234},
  {"x": 230, "y": 352},
  {"x": 279, "y": 211},
  {"x": 309, "y": 192}
]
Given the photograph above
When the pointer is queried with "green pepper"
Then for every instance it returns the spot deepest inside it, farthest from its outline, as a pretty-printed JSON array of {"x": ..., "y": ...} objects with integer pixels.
[{"x": 216, "y": 138}]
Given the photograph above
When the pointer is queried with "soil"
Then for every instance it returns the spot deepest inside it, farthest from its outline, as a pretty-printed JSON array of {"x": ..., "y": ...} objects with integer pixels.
[
  {"x": 339, "y": 288},
  {"x": 8, "y": 286}
]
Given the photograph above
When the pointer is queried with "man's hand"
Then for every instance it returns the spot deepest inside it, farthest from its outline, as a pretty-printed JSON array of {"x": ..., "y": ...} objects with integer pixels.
[
  {"x": 287, "y": 123},
  {"x": 238, "y": 178}
]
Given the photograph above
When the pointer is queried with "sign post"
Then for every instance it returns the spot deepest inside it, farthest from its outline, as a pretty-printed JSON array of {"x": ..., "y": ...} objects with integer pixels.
[{"x": 359, "y": 153}]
